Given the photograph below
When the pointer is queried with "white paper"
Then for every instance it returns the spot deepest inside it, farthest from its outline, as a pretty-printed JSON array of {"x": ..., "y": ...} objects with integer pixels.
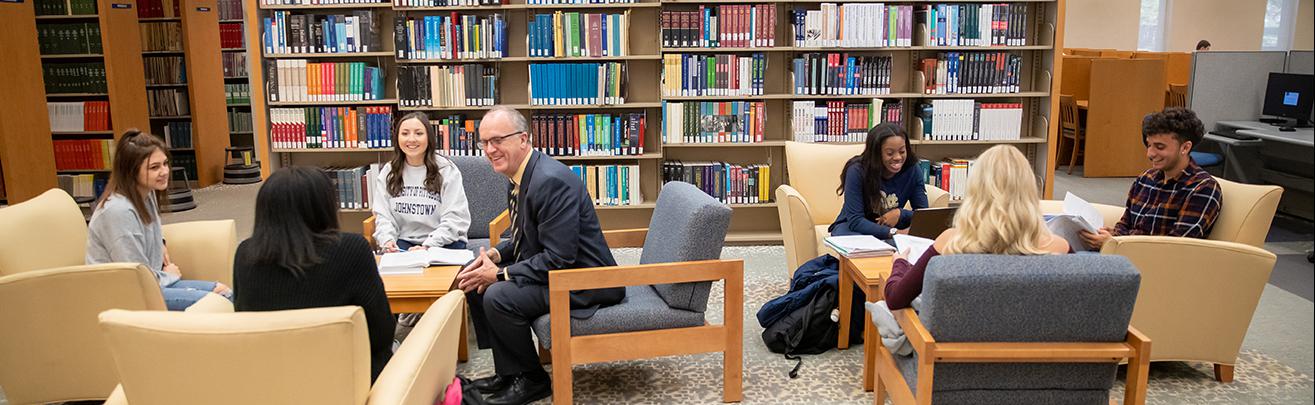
[
  {"x": 1079, "y": 215},
  {"x": 415, "y": 261},
  {"x": 915, "y": 245},
  {"x": 442, "y": 256},
  {"x": 860, "y": 246},
  {"x": 1074, "y": 205}
]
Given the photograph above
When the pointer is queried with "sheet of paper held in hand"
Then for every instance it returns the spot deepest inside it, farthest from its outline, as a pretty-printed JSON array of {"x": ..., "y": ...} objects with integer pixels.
[
  {"x": 1078, "y": 215},
  {"x": 914, "y": 245}
]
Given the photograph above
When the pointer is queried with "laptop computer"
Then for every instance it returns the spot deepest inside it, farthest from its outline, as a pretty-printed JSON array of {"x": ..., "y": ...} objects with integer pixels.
[{"x": 930, "y": 222}]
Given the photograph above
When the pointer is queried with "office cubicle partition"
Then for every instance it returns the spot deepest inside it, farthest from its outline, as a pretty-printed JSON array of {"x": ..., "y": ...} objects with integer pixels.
[{"x": 1230, "y": 85}]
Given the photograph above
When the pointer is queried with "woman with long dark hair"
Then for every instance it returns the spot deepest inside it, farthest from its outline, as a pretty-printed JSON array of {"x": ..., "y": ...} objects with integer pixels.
[
  {"x": 878, "y": 183},
  {"x": 125, "y": 226},
  {"x": 419, "y": 200},
  {"x": 296, "y": 258}
]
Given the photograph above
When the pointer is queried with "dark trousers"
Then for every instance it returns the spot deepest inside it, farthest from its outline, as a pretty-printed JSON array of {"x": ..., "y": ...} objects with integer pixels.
[
  {"x": 405, "y": 245},
  {"x": 503, "y": 315}
]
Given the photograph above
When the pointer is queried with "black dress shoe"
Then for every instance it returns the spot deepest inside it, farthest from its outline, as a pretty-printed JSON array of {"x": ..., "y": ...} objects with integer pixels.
[
  {"x": 522, "y": 389},
  {"x": 489, "y": 385}
]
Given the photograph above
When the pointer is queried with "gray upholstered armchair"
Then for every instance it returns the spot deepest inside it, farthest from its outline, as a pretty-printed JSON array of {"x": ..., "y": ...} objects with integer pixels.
[
  {"x": 486, "y": 192},
  {"x": 666, "y": 295},
  {"x": 1011, "y": 329}
]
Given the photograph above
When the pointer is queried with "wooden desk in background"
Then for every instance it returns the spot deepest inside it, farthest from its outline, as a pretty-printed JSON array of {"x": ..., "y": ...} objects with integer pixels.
[
  {"x": 869, "y": 274},
  {"x": 1082, "y": 104},
  {"x": 414, "y": 293}
]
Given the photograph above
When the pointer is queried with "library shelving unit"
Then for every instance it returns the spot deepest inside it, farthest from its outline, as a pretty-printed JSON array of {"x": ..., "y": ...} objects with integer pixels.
[
  {"x": 186, "y": 84},
  {"x": 97, "y": 69},
  {"x": 26, "y": 167},
  {"x": 646, "y": 57},
  {"x": 237, "y": 81}
]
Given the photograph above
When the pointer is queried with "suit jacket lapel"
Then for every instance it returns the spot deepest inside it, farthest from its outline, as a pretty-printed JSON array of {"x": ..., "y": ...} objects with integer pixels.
[{"x": 521, "y": 208}]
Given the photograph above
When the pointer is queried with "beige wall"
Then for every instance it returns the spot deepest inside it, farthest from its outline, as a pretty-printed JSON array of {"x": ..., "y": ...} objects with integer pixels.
[
  {"x": 1304, "y": 37},
  {"x": 1101, "y": 23},
  {"x": 1229, "y": 25}
]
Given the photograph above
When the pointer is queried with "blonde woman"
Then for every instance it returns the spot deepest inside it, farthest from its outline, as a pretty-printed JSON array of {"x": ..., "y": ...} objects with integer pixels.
[{"x": 1001, "y": 214}]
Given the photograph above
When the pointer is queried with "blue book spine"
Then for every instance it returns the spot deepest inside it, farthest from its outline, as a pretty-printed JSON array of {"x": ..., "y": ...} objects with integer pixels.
[
  {"x": 282, "y": 46},
  {"x": 267, "y": 34}
]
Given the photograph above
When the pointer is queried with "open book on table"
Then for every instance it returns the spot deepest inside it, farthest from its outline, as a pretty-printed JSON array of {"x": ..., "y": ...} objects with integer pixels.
[
  {"x": 1079, "y": 215},
  {"x": 415, "y": 261},
  {"x": 859, "y": 246}
]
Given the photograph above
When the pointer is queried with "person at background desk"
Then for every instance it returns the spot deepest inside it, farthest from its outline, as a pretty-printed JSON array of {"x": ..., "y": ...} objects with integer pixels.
[
  {"x": 1175, "y": 197},
  {"x": 1203, "y": 45},
  {"x": 878, "y": 183},
  {"x": 553, "y": 227}
]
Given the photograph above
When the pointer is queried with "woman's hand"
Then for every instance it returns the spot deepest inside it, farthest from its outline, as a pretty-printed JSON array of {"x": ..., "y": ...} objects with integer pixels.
[
  {"x": 390, "y": 247},
  {"x": 418, "y": 247}
]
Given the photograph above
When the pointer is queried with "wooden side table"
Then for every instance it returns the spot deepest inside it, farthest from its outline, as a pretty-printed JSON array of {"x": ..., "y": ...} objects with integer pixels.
[
  {"x": 868, "y": 274},
  {"x": 414, "y": 293}
]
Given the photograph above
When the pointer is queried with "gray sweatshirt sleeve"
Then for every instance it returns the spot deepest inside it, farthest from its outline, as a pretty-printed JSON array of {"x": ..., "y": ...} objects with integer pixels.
[
  {"x": 455, "y": 216},
  {"x": 121, "y": 238}
]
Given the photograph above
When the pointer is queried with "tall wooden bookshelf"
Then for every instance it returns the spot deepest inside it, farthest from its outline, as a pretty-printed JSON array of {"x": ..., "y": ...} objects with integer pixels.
[
  {"x": 26, "y": 166},
  {"x": 201, "y": 145},
  {"x": 751, "y": 223},
  {"x": 233, "y": 52}
]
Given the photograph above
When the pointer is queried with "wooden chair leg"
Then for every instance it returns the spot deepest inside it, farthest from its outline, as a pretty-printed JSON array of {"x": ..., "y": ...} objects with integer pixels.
[
  {"x": 878, "y": 389},
  {"x": 1073, "y": 158},
  {"x": 1224, "y": 373},
  {"x": 561, "y": 378}
]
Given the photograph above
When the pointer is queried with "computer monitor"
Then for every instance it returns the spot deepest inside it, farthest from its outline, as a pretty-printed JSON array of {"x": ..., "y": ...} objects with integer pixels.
[{"x": 1289, "y": 95}]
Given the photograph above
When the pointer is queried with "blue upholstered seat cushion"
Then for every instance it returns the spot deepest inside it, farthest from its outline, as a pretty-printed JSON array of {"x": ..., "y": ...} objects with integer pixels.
[
  {"x": 998, "y": 298},
  {"x": 687, "y": 225},
  {"x": 1206, "y": 159},
  {"x": 486, "y": 192},
  {"x": 642, "y": 309}
]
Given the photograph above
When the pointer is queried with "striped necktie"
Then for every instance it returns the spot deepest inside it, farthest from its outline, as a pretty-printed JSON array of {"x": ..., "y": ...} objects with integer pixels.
[{"x": 512, "y": 199}]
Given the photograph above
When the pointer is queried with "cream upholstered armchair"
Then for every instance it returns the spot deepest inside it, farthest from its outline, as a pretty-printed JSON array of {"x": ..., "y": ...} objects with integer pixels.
[
  {"x": 1198, "y": 296},
  {"x": 809, "y": 204},
  {"x": 51, "y": 347},
  {"x": 304, "y": 356},
  {"x": 49, "y": 231}
]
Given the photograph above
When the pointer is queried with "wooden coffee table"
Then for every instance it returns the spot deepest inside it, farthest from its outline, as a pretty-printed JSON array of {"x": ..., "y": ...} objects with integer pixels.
[
  {"x": 414, "y": 293},
  {"x": 868, "y": 274}
]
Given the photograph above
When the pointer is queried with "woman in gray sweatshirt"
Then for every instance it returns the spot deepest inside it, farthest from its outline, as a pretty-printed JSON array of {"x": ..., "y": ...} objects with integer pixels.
[
  {"x": 125, "y": 226},
  {"x": 419, "y": 199}
]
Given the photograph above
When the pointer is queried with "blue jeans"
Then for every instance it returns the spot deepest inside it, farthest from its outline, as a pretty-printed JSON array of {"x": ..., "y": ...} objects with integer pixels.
[
  {"x": 183, "y": 293},
  {"x": 404, "y": 245}
]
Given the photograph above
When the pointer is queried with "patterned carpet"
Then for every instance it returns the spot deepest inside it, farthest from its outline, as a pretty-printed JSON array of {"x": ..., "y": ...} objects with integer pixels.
[{"x": 834, "y": 377}]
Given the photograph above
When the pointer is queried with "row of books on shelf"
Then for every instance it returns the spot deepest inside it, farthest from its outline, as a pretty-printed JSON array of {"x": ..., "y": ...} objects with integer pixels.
[
  {"x": 727, "y": 182},
  {"x": 589, "y": 134},
  {"x": 185, "y": 161},
  {"x": 970, "y": 120},
  {"x": 239, "y": 121},
  {"x": 448, "y": 85},
  {"x": 720, "y": 26},
  {"x": 575, "y": 34},
  {"x": 65, "y": 7},
  {"x": 168, "y": 102},
  {"x": 300, "y": 80},
  {"x": 68, "y": 39},
  {"x": 840, "y": 121},
  {"x": 714, "y": 122},
  {"x": 950, "y": 174},
  {"x": 331, "y": 127},
  {"x": 1003, "y": 24},
  {"x": 84, "y": 186},
  {"x": 84, "y": 154},
  {"x": 165, "y": 70},
  {"x": 79, "y": 77},
  {"x": 577, "y": 83},
  {"x": 230, "y": 9},
  {"x": 447, "y": 3},
  {"x": 353, "y": 184},
  {"x": 713, "y": 75},
  {"x": 972, "y": 72},
  {"x": 841, "y": 74},
  {"x": 450, "y": 37},
  {"x": 854, "y": 25},
  {"x": 318, "y": 2},
  {"x": 177, "y": 135},
  {"x": 158, "y": 8},
  {"x": 237, "y": 93},
  {"x": 235, "y": 64},
  {"x": 578, "y": 2},
  {"x": 79, "y": 116},
  {"x": 611, "y": 185},
  {"x": 457, "y": 135},
  {"x": 231, "y": 35},
  {"x": 296, "y": 32},
  {"x": 162, "y": 36}
]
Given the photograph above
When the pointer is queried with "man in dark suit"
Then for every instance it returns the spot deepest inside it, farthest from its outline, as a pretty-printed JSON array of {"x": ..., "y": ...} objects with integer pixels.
[{"x": 553, "y": 226}]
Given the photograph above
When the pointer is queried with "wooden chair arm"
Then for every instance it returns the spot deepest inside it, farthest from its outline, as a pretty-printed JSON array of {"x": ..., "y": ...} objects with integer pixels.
[
  {"x": 367, "y": 230},
  {"x": 497, "y": 226},
  {"x": 919, "y": 338},
  {"x": 626, "y": 238},
  {"x": 644, "y": 274}
]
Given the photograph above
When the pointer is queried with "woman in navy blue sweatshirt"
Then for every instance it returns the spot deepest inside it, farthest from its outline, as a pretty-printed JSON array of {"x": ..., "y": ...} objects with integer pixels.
[{"x": 877, "y": 183}]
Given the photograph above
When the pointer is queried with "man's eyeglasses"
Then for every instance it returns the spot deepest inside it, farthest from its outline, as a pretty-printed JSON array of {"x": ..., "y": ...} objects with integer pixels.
[{"x": 495, "y": 141}]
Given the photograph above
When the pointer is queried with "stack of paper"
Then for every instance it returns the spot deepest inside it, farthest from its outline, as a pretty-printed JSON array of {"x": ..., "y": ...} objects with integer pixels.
[
  {"x": 859, "y": 246},
  {"x": 415, "y": 262},
  {"x": 1079, "y": 215}
]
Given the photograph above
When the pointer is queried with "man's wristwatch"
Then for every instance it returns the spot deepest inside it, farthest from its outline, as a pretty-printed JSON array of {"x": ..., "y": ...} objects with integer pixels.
[{"x": 502, "y": 274}]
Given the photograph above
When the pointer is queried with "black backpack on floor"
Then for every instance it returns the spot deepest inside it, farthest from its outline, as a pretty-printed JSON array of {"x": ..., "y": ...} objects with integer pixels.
[{"x": 806, "y": 330}]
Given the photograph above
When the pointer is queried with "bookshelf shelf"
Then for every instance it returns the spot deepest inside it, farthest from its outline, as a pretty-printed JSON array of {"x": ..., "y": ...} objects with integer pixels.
[
  {"x": 329, "y": 55},
  {"x": 72, "y": 95},
  {"x": 723, "y": 145},
  {"x": 326, "y": 6},
  {"x": 858, "y": 49},
  {"x": 387, "y": 101},
  {"x": 165, "y": 86},
  {"x": 332, "y": 150},
  {"x": 231, "y": 21},
  {"x": 354, "y": 210},
  {"x": 646, "y": 156},
  {"x": 1025, "y": 94},
  {"x": 148, "y": 53},
  {"x": 537, "y": 107},
  {"x": 589, "y": 6},
  {"x": 161, "y": 19},
  {"x": 67, "y": 17},
  {"x": 73, "y": 56},
  {"x": 525, "y": 59},
  {"x": 171, "y": 117},
  {"x": 239, "y": 105},
  {"x": 1027, "y": 140},
  {"x": 233, "y": 49}
]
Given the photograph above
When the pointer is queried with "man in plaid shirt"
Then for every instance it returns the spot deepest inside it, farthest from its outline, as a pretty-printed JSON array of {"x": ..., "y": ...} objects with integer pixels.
[{"x": 1175, "y": 197}]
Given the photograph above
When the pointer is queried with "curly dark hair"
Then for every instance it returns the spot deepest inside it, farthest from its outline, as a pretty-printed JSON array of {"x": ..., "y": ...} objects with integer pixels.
[{"x": 1180, "y": 122}]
